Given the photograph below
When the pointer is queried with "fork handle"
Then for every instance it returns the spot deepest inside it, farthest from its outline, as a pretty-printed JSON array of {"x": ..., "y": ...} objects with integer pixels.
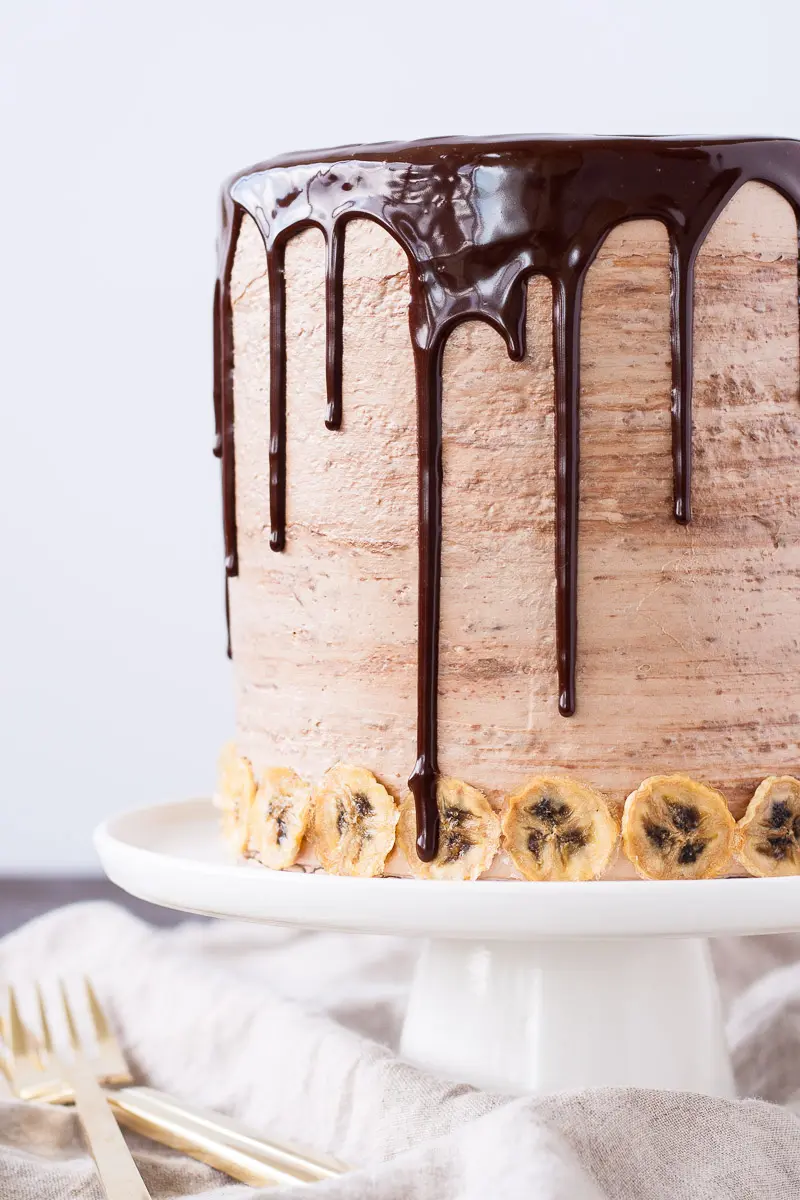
[
  {"x": 217, "y": 1140},
  {"x": 118, "y": 1172}
]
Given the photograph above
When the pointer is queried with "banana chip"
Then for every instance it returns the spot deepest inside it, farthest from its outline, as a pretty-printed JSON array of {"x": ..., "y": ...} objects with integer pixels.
[
  {"x": 354, "y": 822},
  {"x": 768, "y": 835},
  {"x": 234, "y": 796},
  {"x": 469, "y": 833},
  {"x": 558, "y": 829},
  {"x": 676, "y": 828},
  {"x": 279, "y": 818}
]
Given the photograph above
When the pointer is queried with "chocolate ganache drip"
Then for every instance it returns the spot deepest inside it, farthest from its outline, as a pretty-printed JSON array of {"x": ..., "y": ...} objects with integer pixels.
[{"x": 478, "y": 218}]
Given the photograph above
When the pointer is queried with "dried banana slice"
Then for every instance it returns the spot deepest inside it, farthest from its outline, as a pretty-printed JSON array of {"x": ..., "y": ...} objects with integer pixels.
[
  {"x": 768, "y": 835},
  {"x": 469, "y": 833},
  {"x": 676, "y": 828},
  {"x": 354, "y": 822},
  {"x": 279, "y": 818},
  {"x": 556, "y": 828},
  {"x": 236, "y": 789}
]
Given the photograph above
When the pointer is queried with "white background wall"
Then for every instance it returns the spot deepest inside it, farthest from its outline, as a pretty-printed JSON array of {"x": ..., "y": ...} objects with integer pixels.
[{"x": 118, "y": 123}]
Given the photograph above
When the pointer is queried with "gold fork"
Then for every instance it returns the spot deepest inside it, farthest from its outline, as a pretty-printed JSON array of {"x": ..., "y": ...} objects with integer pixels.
[
  {"x": 207, "y": 1136},
  {"x": 5, "y": 1083},
  {"x": 34, "y": 1065}
]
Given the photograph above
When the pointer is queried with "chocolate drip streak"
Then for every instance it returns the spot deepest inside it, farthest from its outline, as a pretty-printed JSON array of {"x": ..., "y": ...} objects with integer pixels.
[
  {"x": 334, "y": 326},
  {"x": 230, "y": 224},
  {"x": 423, "y": 778},
  {"x": 277, "y": 395},
  {"x": 477, "y": 219}
]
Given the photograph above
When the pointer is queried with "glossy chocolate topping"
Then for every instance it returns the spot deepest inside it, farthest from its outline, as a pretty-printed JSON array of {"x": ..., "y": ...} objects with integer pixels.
[{"x": 477, "y": 219}]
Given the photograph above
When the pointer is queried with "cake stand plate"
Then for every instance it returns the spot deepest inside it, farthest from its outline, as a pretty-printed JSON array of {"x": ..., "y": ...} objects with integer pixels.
[{"x": 520, "y": 987}]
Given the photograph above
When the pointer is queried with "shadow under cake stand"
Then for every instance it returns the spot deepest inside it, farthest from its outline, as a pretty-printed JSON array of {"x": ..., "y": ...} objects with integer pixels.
[{"x": 520, "y": 987}]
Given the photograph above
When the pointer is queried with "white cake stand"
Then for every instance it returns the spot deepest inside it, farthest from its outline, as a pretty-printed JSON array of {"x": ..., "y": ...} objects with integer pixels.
[{"x": 521, "y": 987}]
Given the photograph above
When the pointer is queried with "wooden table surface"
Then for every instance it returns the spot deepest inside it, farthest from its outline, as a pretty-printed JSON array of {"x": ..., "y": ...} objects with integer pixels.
[{"x": 22, "y": 899}]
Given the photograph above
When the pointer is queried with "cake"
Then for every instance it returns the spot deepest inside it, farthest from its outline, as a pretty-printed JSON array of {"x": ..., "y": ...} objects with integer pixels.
[{"x": 511, "y": 498}]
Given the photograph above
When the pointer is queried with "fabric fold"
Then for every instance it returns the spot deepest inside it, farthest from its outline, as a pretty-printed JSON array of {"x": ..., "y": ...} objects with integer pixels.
[{"x": 296, "y": 1034}]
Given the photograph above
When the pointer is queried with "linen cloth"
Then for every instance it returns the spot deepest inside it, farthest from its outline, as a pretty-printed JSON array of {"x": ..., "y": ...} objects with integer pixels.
[{"x": 295, "y": 1033}]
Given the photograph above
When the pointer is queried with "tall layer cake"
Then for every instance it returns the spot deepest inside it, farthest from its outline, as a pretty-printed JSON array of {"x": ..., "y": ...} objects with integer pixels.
[{"x": 509, "y": 439}]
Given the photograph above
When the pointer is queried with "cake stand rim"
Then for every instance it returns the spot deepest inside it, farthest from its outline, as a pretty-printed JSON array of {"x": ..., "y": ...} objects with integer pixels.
[{"x": 491, "y": 909}]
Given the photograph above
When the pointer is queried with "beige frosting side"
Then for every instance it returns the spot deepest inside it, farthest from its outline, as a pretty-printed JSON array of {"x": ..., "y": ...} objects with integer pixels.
[{"x": 689, "y": 637}]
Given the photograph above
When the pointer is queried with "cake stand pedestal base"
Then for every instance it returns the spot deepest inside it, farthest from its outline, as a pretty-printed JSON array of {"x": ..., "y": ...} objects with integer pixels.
[
  {"x": 521, "y": 987},
  {"x": 545, "y": 1015}
]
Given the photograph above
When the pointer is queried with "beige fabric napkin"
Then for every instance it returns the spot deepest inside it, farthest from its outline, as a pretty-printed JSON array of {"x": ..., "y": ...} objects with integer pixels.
[{"x": 295, "y": 1033}]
